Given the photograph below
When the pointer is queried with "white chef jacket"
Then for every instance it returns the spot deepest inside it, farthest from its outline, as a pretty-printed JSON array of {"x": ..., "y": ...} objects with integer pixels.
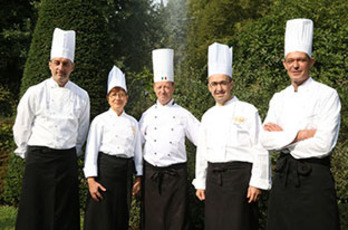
[
  {"x": 313, "y": 106},
  {"x": 231, "y": 133},
  {"x": 52, "y": 116},
  {"x": 114, "y": 135},
  {"x": 163, "y": 129}
]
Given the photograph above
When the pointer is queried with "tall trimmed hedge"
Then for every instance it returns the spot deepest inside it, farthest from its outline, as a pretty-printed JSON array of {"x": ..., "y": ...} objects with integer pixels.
[{"x": 92, "y": 64}]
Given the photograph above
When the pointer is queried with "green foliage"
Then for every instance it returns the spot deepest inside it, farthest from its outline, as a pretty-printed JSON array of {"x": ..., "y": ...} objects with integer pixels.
[
  {"x": 16, "y": 22},
  {"x": 217, "y": 20},
  {"x": 6, "y": 146},
  {"x": 7, "y": 217},
  {"x": 92, "y": 57},
  {"x": 92, "y": 64},
  {"x": 134, "y": 30},
  {"x": 258, "y": 40},
  {"x": 6, "y": 102}
]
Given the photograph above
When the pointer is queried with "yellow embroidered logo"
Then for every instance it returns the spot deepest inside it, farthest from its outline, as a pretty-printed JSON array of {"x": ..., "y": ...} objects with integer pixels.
[{"x": 239, "y": 119}]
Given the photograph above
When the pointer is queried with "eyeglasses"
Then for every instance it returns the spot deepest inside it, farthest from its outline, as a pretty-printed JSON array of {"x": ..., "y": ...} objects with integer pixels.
[
  {"x": 215, "y": 84},
  {"x": 120, "y": 95}
]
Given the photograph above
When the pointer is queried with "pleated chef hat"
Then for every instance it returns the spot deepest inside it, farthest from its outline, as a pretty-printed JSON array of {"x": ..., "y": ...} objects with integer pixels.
[
  {"x": 299, "y": 36},
  {"x": 219, "y": 59},
  {"x": 63, "y": 44},
  {"x": 116, "y": 79},
  {"x": 162, "y": 60}
]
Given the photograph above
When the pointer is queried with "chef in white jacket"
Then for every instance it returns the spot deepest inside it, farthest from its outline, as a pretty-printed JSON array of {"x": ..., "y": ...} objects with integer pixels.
[
  {"x": 231, "y": 165},
  {"x": 113, "y": 148},
  {"x": 302, "y": 124},
  {"x": 50, "y": 128},
  {"x": 164, "y": 127}
]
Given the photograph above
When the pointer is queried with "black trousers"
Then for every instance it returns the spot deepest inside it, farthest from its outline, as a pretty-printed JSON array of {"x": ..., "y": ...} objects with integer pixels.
[
  {"x": 112, "y": 212},
  {"x": 165, "y": 199},
  {"x": 49, "y": 198},
  {"x": 303, "y": 195},
  {"x": 226, "y": 204}
]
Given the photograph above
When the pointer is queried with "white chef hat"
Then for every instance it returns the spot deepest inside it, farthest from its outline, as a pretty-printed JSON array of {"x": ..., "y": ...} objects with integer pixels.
[
  {"x": 219, "y": 59},
  {"x": 63, "y": 44},
  {"x": 299, "y": 36},
  {"x": 116, "y": 79},
  {"x": 163, "y": 69}
]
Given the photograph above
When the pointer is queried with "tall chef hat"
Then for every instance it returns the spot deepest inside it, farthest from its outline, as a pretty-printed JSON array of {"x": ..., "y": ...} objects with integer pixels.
[
  {"x": 116, "y": 79},
  {"x": 299, "y": 36},
  {"x": 63, "y": 44},
  {"x": 163, "y": 69},
  {"x": 219, "y": 59}
]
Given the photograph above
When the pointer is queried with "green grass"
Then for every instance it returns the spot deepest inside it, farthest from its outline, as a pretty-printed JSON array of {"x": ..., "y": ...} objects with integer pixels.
[{"x": 7, "y": 217}]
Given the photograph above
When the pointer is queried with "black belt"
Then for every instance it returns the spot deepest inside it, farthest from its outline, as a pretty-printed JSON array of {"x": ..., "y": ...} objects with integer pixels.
[
  {"x": 220, "y": 168},
  {"x": 159, "y": 173},
  {"x": 289, "y": 167}
]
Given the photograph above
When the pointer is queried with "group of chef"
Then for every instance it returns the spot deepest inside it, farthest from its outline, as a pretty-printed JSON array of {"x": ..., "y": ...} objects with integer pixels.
[{"x": 232, "y": 159}]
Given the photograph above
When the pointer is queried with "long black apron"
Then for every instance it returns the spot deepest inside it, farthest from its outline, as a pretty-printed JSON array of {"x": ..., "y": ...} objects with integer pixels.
[
  {"x": 112, "y": 212},
  {"x": 303, "y": 195},
  {"x": 165, "y": 198},
  {"x": 226, "y": 203},
  {"x": 49, "y": 198}
]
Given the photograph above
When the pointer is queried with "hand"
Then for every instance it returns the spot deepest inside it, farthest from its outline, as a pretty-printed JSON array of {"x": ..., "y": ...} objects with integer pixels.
[
  {"x": 272, "y": 127},
  {"x": 305, "y": 134},
  {"x": 200, "y": 193},
  {"x": 137, "y": 186},
  {"x": 94, "y": 189},
  {"x": 253, "y": 194}
]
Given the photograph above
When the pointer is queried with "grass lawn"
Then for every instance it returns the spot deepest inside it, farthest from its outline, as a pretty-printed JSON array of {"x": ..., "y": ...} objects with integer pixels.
[{"x": 7, "y": 217}]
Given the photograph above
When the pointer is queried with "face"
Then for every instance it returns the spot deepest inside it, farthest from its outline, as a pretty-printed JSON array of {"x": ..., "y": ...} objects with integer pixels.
[
  {"x": 297, "y": 65},
  {"x": 61, "y": 69},
  {"x": 220, "y": 86},
  {"x": 164, "y": 91},
  {"x": 117, "y": 99}
]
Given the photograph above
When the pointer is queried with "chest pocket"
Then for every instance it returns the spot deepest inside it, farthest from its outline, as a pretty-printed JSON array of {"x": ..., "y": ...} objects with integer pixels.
[{"x": 240, "y": 135}]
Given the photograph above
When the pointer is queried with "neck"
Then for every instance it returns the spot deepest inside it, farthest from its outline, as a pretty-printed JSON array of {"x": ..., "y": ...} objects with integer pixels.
[
  {"x": 165, "y": 103},
  {"x": 118, "y": 111},
  {"x": 296, "y": 84}
]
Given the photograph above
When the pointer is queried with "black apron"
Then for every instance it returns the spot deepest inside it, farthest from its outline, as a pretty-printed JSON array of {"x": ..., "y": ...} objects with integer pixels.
[
  {"x": 303, "y": 195},
  {"x": 165, "y": 197},
  {"x": 112, "y": 212},
  {"x": 50, "y": 197},
  {"x": 226, "y": 203}
]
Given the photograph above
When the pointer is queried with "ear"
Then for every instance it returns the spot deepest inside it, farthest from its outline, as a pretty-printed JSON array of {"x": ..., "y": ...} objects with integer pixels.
[{"x": 285, "y": 65}]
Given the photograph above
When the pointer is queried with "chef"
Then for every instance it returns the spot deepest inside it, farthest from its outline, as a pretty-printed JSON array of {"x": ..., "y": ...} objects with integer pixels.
[
  {"x": 113, "y": 143},
  {"x": 50, "y": 128},
  {"x": 302, "y": 124},
  {"x": 231, "y": 165},
  {"x": 164, "y": 127}
]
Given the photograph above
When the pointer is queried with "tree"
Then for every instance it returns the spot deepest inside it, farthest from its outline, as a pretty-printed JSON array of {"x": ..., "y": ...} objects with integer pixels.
[
  {"x": 134, "y": 28},
  {"x": 17, "y": 20},
  {"x": 258, "y": 45},
  {"x": 92, "y": 61}
]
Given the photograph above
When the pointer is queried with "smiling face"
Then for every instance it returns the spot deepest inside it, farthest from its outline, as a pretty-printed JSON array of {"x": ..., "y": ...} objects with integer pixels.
[
  {"x": 61, "y": 69},
  {"x": 164, "y": 91},
  {"x": 220, "y": 86},
  {"x": 298, "y": 65},
  {"x": 117, "y": 99}
]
